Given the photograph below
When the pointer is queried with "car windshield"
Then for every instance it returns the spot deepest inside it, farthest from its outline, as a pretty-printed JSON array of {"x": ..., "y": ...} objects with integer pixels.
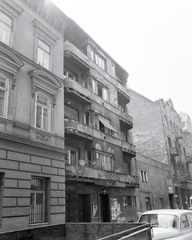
[{"x": 160, "y": 220}]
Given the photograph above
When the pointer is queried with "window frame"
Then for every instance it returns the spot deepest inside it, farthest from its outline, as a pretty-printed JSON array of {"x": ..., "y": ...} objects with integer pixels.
[
  {"x": 47, "y": 36},
  {"x": 3, "y": 23},
  {"x": 6, "y": 92},
  {"x": 43, "y": 191},
  {"x": 144, "y": 176},
  {"x": 76, "y": 151},
  {"x": 38, "y": 93},
  {"x": 129, "y": 201},
  {"x": 98, "y": 59},
  {"x": 105, "y": 161},
  {"x": 45, "y": 52}
]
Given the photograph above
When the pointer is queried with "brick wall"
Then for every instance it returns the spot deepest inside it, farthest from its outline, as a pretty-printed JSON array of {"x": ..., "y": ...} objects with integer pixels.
[{"x": 93, "y": 231}]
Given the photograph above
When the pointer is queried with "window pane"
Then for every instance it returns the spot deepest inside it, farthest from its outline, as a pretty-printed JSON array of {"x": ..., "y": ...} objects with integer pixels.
[
  {"x": 37, "y": 203},
  {"x": 43, "y": 56},
  {"x": 40, "y": 56},
  {"x": 5, "y": 28},
  {"x": 105, "y": 94},
  {"x": 45, "y": 119},
  {"x": 2, "y": 102},
  {"x": 46, "y": 61},
  {"x": 94, "y": 86},
  {"x": 43, "y": 46},
  {"x": 92, "y": 55},
  {"x": 5, "y": 33},
  {"x": 38, "y": 116}
]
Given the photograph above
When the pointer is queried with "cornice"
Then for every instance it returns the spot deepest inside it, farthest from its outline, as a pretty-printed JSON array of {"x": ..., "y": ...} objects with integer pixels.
[
  {"x": 56, "y": 21},
  {"x": 31, "y": 143}
]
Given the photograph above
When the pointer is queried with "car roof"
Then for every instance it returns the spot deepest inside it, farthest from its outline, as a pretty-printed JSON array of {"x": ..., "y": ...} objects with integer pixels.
[{"x": 167, "y": 211}]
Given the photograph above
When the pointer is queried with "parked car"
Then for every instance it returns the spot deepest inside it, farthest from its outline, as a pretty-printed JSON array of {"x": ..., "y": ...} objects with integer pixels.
[{"x": 175, "y": 224}]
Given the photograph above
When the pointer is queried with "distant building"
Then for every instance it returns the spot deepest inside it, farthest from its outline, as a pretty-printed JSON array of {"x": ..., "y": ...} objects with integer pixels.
[{"x": 158, "y": 136}]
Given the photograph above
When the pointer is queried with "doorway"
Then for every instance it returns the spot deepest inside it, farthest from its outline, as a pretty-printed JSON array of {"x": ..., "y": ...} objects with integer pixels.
[
  {"x": 105, "y": 212},
  {"x": 171, "y": 201},
  {"x": 78, "y": 208}
]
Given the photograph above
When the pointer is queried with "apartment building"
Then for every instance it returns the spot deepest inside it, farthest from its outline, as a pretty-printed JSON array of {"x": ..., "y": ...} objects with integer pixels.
[
  {"x": 32, "y": 168},
  {"x": 158, "y": 135},
  {"x": 63, "y": 99},
  {"x": 101, "y": 175}
]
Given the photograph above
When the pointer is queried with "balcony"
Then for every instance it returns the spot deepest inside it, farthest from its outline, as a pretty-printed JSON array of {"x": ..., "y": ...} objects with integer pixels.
[
  {"x": 178, "y": 135},
  {"x": 78, "y": 129},
  {"x": 126, "y": 120},
  {"x": 101, "y": 177},
  {"x": 75, "y": 57},
  {"x": 129, "y": 148},
  {"x": 189, "y": 159},
  {"x": 76, "y": 91},
  {"x": 185, "y": 182},
  {"x": 123, "y": 97},
  {"x": 173, "y": 151},
  {"x": 185, "y": 178}
]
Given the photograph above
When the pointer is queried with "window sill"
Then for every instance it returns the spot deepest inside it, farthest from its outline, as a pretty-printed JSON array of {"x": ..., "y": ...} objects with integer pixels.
[{"x": 31, "y": 225}]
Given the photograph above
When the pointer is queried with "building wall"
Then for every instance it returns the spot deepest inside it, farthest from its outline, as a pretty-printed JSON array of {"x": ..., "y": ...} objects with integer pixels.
[
  {"x": 28, "y": 151},
  {"x": 148, "y": 132},
  {"x": 156, "y": 186}
]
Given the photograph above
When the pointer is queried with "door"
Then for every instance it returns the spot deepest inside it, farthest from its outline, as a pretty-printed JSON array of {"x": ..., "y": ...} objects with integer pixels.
[
  {"x": 105, "y": 212},
  {"x": 78, "y": 208},
  {"x": 171, "y": 201}
]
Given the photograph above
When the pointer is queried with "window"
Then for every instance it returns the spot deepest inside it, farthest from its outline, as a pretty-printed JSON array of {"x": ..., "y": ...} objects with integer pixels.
[
  {"x": 44, "y": 41},
  {"x": 4, "y": 89},
  {"x": 1, "y": 194},
  {"x": 88, "y": 157},
  {"x": 44, "y": 89},
  {"x": 86, "y": 118},
  {"x": 105, "y": 125},
  {"x": 143, "y": 176},
  {"x": 5, "y": 28},
  {"x": 72, "y": 155},
  {"x": 102, "y": 92},
  {"x": 96, "y": 87},
  {"x": 43, "y": 111},
  {"x": 129, "y": 201},
  {"x": 105, "y": 161},
  {"x": 38, "y": 200},
  {"x": 43, "y": 54},
  {"x": 100, "y": 61}
]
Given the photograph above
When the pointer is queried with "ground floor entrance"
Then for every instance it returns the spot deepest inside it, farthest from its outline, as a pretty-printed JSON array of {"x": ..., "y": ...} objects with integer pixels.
[{"x": 88, "y": 202}]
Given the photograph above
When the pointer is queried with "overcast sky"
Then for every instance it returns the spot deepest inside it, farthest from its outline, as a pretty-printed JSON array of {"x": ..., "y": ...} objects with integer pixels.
[{"x": 151, "y": 39}]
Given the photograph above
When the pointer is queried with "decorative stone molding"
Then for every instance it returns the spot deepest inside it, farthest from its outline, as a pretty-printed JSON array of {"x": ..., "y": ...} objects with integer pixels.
[
  {"x": 39, "y": 28},
  {"x": 13, "y": 7},
  {"x": 42, "y": 137},
  {"x": 9, "y": 60},
  {"x": 14, "y": 82},
  {"x": 53, "y": 16},
  {"x": 45, "y": 81}
]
